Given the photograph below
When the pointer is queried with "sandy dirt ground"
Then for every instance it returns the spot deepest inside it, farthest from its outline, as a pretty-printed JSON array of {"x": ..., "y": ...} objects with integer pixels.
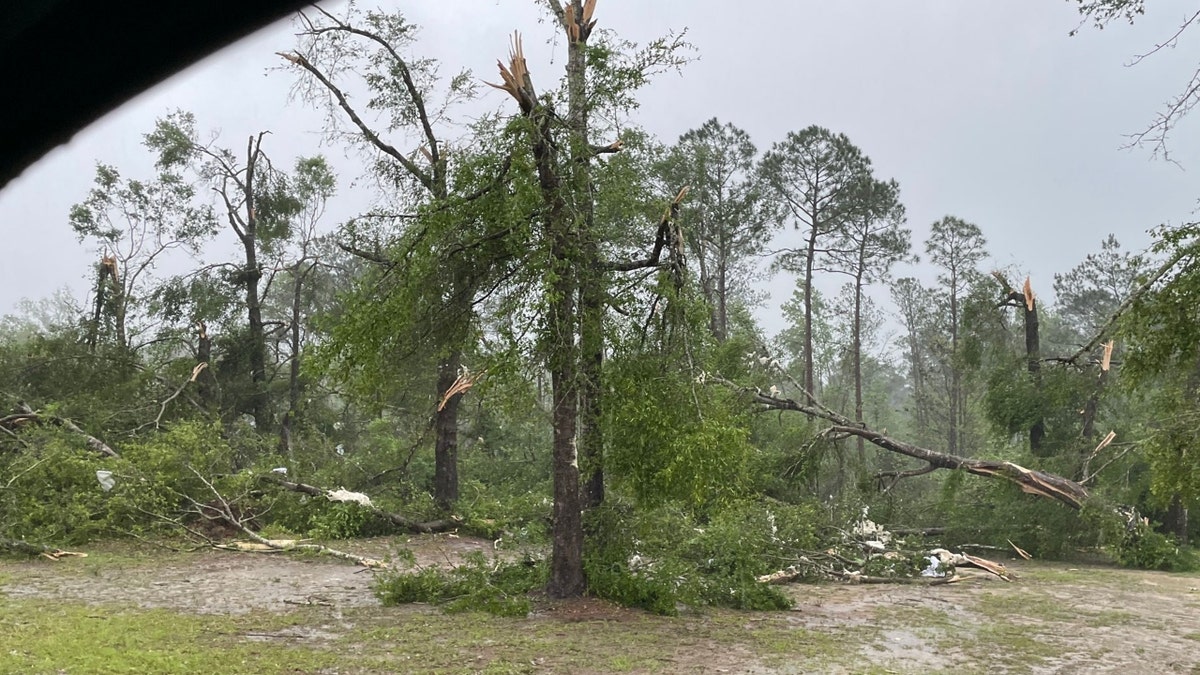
[{"x": 1075, "y": 619}]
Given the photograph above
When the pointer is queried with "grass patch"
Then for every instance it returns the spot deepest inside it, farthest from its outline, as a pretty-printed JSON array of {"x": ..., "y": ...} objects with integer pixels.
[
  {"x": 42, "y": 636},
  {"x": 51, "y": 637}
]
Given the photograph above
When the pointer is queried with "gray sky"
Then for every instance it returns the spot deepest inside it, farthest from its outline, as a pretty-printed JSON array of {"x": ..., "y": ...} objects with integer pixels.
[{"x": 985, "y": 110}]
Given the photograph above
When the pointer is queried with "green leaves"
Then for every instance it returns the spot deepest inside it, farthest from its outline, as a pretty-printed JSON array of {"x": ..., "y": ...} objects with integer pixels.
[{"x": 670, "y": 438}]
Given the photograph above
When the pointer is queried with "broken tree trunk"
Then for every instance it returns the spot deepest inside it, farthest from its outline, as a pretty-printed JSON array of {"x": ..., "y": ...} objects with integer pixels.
[
  {"x": 1026, "y": 301},
  {"x": 396, "y": 519},
  {"x": 1047, "y": 485}
]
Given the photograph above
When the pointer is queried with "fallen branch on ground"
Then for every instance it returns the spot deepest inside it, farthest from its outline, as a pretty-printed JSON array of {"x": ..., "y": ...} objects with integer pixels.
[
  {"x": 24, "y": 547},
  {"x": 26, "y": 415},
  {"x": 220, "y": 509},
  {"x": 396, "y": 519}
]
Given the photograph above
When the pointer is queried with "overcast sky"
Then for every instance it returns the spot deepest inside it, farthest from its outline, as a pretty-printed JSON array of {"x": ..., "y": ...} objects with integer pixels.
[{"x": 985, "y": 110}]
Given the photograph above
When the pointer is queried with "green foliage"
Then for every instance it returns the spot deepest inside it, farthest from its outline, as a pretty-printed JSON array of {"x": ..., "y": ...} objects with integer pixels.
[
  {"x": 479, "y": 584},
  {"x": 515, "y": 518},
  {"x": 1143, "y": 548},
  {"x": 660, "y": 558},
  {"x": 54, "y": 494},
  {"x": 994, "y": 512},
  {"x": 342, "y": 520},
  {"x": 671, "y": 438}
]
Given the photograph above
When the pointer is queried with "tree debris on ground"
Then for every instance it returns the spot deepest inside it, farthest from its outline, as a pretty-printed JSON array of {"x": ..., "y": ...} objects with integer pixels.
[
  {"x": 869, "y": 554},
  {"x": 341, "y": 495},
  {"x": 223, "y": 510},
  {"x": 26, "y": 548}
]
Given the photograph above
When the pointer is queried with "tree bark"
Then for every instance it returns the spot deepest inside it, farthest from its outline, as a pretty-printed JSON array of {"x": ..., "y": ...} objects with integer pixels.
[
  {"x": 1177, "y": 520},
  {"x": 857, "y": 330},
  {"x": 810, "y": 385},
  {"x": 721, "y": 331},
  {"x": 251, "y": 274},
  {"x": 445, "y": 458},
  {"x": 1033, "y": 355},
  {"x": 955, "y": 376},
  {"x": 205, "y": 381},
  {"x": 1062, "y": 490},
  {"x": 294, "y": 384}
]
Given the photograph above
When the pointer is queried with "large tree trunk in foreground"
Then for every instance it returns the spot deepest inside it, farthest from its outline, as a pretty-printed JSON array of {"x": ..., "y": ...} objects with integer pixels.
[
  {"x": 1047, "y": 485},
  {"x": 562, "y": 354}
]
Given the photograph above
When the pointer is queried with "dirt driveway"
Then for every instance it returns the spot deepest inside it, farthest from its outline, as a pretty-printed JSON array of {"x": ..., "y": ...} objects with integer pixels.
[{"x": 1055, "y": 618}]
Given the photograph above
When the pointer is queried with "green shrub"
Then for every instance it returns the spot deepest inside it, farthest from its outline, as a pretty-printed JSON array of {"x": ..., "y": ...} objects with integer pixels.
[
  {"x": 55, "y": 497},
  {"x": 478, "y": 584},
  {"x": 658, "y": 559}
]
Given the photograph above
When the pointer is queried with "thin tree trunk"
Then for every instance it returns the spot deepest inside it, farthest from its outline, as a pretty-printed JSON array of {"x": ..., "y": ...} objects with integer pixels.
[
  {"x": 120, "y": 310},
  {"x": 445, "y": 456},
  {"x": 809, "y": 362},
  {"x": 257, "y": 338},
  {"x": 1177, "y": 520},
  {"x": 955, "y": 382},
  {"x": 94, "y": 328},
  {"x": 1033, "y": 349},
  {"x": 293, "y": 411},
  {"x": 857, "y": 330},
  {"x": 722, "y": 319},
  {"x": 205, "y": 381},
  {"x": 708, "y": 286},
  {"x": 251, "y": 276}
]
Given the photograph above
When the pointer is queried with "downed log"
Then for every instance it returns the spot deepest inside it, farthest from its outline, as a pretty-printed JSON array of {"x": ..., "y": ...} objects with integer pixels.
[
  {"x": 396, "y": 519},
  {"x": 26, "y": 415},
  {"x": 1035, "y": 482},
  {"x": 26, "y": 548}
]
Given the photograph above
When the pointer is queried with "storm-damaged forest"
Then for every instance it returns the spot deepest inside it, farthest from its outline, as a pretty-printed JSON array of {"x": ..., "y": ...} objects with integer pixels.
[{"x": 541, "y": 335}]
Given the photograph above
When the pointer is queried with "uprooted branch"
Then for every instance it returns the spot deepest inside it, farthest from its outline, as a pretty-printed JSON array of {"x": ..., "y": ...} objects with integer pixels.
[
  {"x": 396, "y": 519},
  {"x": 26, "y": 415},
  {"x": 222, "y": 510},
  {"x": 1035, "y": 482}
]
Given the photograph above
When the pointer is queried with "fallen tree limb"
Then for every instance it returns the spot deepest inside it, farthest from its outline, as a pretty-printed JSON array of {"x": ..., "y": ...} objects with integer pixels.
[
  {"x": 26, "y": 548},
  {"x": 26, "y": 415},
  {"x": 221, "y": 510},
  {"x": 396, "y": 519},
  {"x": 1035, "y": 482}
]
